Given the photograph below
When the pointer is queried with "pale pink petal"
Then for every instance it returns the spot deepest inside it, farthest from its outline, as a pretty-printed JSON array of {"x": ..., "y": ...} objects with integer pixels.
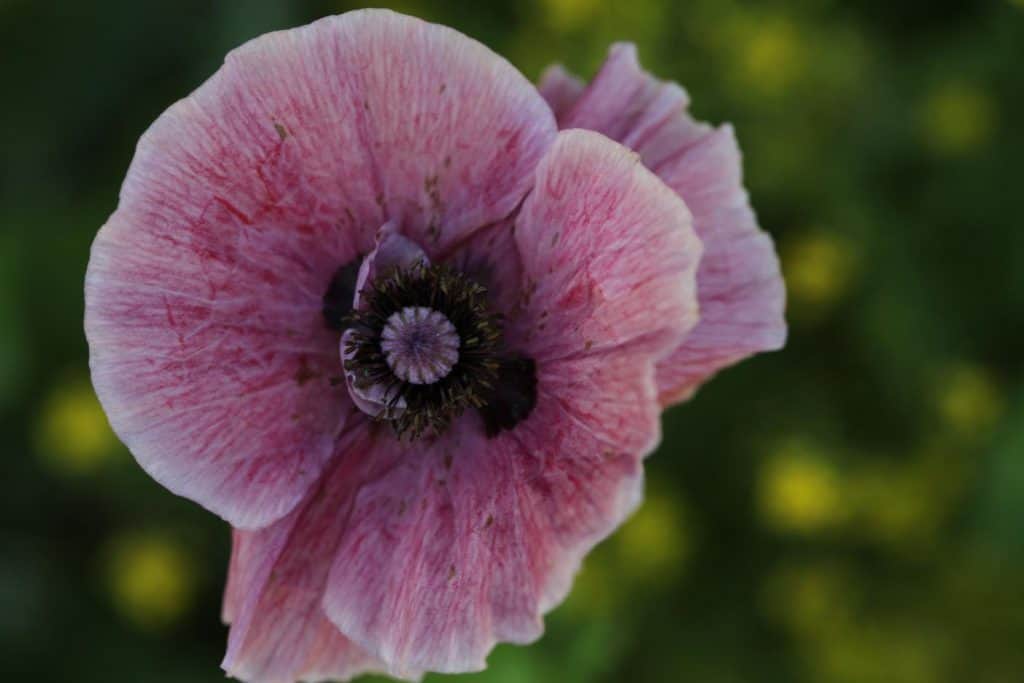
[
  {"x": 203, "y": 294},
  {"x": 279, "y": 633},
  {"x": 609, "y": 254},
  {"x": 740, "y": 287},
  {"x": 560, "y": 89},
  {"x": 628, "y": 105},
  {"x": 468, "y": 540},
  {"x": 215, "y": 370}
]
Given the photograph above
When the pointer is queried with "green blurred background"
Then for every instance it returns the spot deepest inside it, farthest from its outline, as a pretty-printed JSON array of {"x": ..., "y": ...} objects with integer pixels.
[{"x": 848, "y": 510}]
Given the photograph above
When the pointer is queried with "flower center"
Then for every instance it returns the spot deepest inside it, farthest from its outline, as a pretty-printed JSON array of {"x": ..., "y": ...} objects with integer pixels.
[
  {"x": 421, "y": 347},
  {"x": 420, "y": 344}
]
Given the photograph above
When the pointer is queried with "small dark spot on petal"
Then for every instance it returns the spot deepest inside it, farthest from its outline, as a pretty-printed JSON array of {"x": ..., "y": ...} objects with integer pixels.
[
  {"x": 282, "y": 132},
  {"x": 304, "y": 373},
  {"x": 451, "y": 572},
  {"x": 489, "y": 521}
]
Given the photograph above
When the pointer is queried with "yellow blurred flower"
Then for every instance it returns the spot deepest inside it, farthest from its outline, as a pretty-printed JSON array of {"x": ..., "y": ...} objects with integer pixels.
[
  {"x": 654, "y": 543},
  {"x": 566, "y": 14},
  {"x": 958, "y": 117},
  {"x": 799, "y": 491},
  {"x": 72, "y": 434},
  {"x": 810, "y": 598},
  {"x": 883, "y": 651},
  {"x": 968, "y": 399},
  {"x": 818, "y": 270},
  {"x": 151, "y": 579},
  {"x": 770, "y": 57},
  {"x": 893, "y": 507}
]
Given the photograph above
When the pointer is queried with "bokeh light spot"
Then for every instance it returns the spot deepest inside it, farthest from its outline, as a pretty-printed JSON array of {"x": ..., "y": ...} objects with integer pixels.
[
  {"x": 968, "y": 399},
  {"x": 818, "y": 269},
  {"x": 892, "y": 507},
  {"x": 567, "y": 14},
  {"x": 957, "y": 118},
  {"x": 799, "y": 490},
  {"x": 809, "y": 598},
  {"x": 151, "y": 579},
  {"x": 72, "y": 433},
  {"x": 769, "y": 53}
]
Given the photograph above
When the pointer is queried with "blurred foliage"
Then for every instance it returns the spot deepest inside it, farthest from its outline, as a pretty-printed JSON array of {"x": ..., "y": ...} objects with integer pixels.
[{"x": 850, "y": 510}]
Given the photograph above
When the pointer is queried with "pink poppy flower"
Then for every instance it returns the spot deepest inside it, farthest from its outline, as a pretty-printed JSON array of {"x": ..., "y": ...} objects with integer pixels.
[{"x": 363, "y": 300}]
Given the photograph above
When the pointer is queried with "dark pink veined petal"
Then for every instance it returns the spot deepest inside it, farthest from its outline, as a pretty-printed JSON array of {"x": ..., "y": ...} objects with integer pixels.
[
  {"x": 740, "y": 287},
  {"x": 467, "y": 541},
  {"x": 454, "y": 130},
  {"x": 279, "y": 632},
  {"x": 609, "y": 255},
  {"x": 290, "y": 639},
  {"x": 204, "y": 289}
]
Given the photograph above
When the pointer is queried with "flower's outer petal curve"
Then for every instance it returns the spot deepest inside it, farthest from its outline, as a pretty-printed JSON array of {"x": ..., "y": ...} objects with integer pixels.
[
  {"x": 279, "y": 633},
  {"x": 740, "y": 287},
  {"x": 633, "y": 108},
  {"x": 560, "y": 88},
  {"x": 739, "y": 283},
  {"x": 467, "y": 541},
  {"x": 204, "y": 289}
]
